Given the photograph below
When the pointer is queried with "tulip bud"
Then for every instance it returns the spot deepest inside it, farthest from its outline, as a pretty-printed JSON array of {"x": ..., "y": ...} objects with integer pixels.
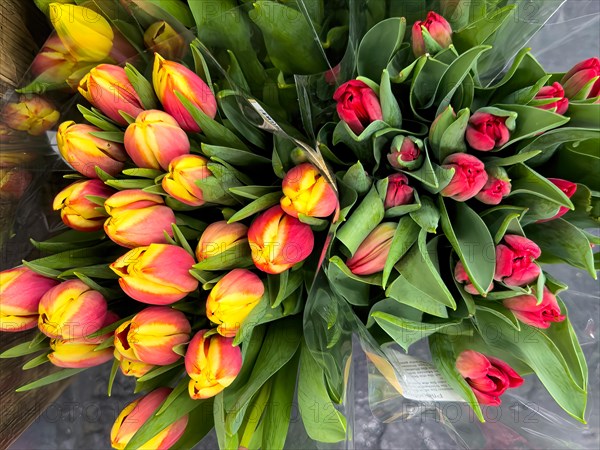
[
  {"x": 583, "y": 80},
  {"x": 460, "y": 275},
  {"x": 219, "y": 237},
  {"x": 131, "y": 367},
  {"x": 437, "y": 31},
  {"x": 180, "y": 182},
  {"x": 162, "y": 38},
  {"x": 232, "y": 299},
  {"x": 569, "y": 188},
  {"x": 138, "y": 218},
  {"x": 515, "y": 261},
  {"x": 71, "y": 310},
  {"x": 487, "y": 131},
  {"x": 155, "y": 139},
  {"x": 151, "y": 334},
  {"x": 357, "y": 105},
  {"x": 107, "y": 88},
  {"x": 278, "y": 241},
  {"x": 372, "y": 253},
  {"x": 21, "y": 290},
  {"x": 13, "y": 183},
  {"x": 468, "y": 179},
  {"x": 86, "y": 34},
  {"x": 496, "y": 187},
  {"x": 84, "y": 152},
  {"x": 169, "y": 77},
  {"x": 488, "y": 377},
  {"x": 137, "y": 413},
  {"x": 76, "y": 211},
  {"x": 306, "y": 191},
  {"x": 32, "y": 113},
  {"x": 528, "y": 311},
  {"x": 554, "y": 92},
  {"x": 212, "y": 362},
  {"x": 398, "y": 191},
  {"x": 406, "y": 153},
  {"x": 157, "y": 274}
]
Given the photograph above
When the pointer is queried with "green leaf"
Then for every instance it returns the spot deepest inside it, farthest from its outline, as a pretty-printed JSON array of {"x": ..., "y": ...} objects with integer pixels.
[
  {"x": 98, "y": 119},
  {"x": 405, "y": 236},
  {"x": 68, "y": 240},
  {"x": 520, "y": 157},
  {"x": 230, "y": 106},
  {"x": 260, "y": 204},
  {"x": 453, "y": 138},
  {"x": 202, "y": 419},
  {"x": 142, "y": 86},
  {"x": 479, "y": 31},
  {"x": 112, "y": 136},
  {"x": 143, "y": 173},
  {"x": 428, "y": 216},
  {"x": 24, "y": 348},
  {"x": 129, "y": 184},
  {"x": 354, "y": 288},
  {"x": 49, "y": 379},
  {"x": 42, "y": 270},
  {"x": 95, "y": 271},
  {"x": 389, "y": 105},
  {"x": 525, "y": 180},
  {"x": 237, "y": 256},
  {"x": 499, "y": 311},
  {"x": 378, "y": 46},
  {"x": 254, "y": 192},
  {"x": 502, "y": 219},
  {"x": 584, "y": 115},
  {"x": 78, "y": 257},
  {"x": 472, "y": 241}
]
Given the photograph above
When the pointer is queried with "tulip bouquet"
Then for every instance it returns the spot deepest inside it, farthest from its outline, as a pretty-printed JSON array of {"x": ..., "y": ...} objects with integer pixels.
[{"x": 230, "y": 230}]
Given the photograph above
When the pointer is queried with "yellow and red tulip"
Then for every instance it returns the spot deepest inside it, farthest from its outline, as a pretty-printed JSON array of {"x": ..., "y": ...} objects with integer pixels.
[
  {"x": 372, "y": 253},
  {"x": 32, "y": 113},
  {"x": 169, "y": 77},
  {"x": 162, "y": 38},
  {"x": 278, "y": 241},
  {"x": 84, "y": 152},
  {"x": 21, "y": 290},
  {"x": 138, "y": 218},
  {"x": 212, "y": 362},
  {"x": 232, "y": 299},
  {"x": 54, "y": 64},
  {"x": 107, "y": 87},
  {"x": 219, "y": 237},
  {"x": 155, "y": 139},
  {"x": 76, "y": 211},
  {"x": 151, "y": 334},
  {"x": 180, "y": 182},
  {"x": 137, "y": 413},
  {"x": 306, "y": 191},
  {"x": 131, "y": 367},
  {"x": 157, "y": 274},
  {"x": 71, "y": 310}
]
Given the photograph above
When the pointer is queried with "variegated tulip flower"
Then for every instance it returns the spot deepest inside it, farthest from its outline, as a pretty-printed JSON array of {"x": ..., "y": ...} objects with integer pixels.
[
  {"x": 157, "y": 274},
  {"x": 32, "y": 113},
  {"x": 307, "y": 192},
  {"x": 180, "y": 182},
  {"x": 212, "y": 362},
  {"x": 151, "y": 334},
  {"x": 162, "y": 38},
  {"x": 76, "y": 210},
  {"x": 131, "y": 367},
  {"x": 220, "y": 237}
]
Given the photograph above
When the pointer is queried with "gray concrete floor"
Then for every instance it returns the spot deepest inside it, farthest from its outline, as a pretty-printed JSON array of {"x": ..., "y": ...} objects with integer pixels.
[{"x": 82, "y": 416}]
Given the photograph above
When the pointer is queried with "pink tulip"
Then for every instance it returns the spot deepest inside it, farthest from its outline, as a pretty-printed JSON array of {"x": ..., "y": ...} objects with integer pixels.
[
  {"x": 468, "y": 179},
  {"x": 439, "y": 29},
  {"x": 496, "y": 188},
  {"x": 357, "y": 105},
  {"x": 559, "y": 106},
  {"x": 583, "y": 80},
  {"x": 527, "y": 310},
  {"x": 180, "y": 181},
  {"x": 405, "y": 153},
  {"x": 76, "y": 211},
  {"x": 515, "y": 261},
  {"x": 372, "y": 253},
  {"x": 487, "y": 132},
  {"x": 221, "y": 236},
  {"x": 569, "y": 188},
  {"x": 398, "y": 191}
]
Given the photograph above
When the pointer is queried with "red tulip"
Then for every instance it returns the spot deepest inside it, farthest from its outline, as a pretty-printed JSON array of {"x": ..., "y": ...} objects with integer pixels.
[
  {"x": 468, "y": 179},
  {"x": 357, "y": 105},
  {"x": 527, "y": 309},
  {"x": 405, "y": 153},
  {"x": 398, "y": 191},
  {"x": 460, "y": 275},
  {"x": 488, "y": 377},
  {"x": 496, "y": 188},
  {"x": 439, "y": 29},
  {"x": 486, "y": 131},
  {"x": 569, "y": 188},
  {"x": 372, "y": 253},
  {"x": 515, "y": 261},
  {"x": 583, "y": 80},
  {"x": 559, "y": 106}
]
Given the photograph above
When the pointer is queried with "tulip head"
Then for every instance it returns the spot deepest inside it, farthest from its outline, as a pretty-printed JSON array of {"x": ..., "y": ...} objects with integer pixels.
[
  {"x": 528, "y": 311},
  {"x": 488, "y": 377},
  {"x": 583, "y": 80},
  {"x": 232, "y": 299},
  {"x": 398, "y": 191},
  {"x": 54, "y": 64},
  {"x": 496, "y": 187},
  {"x": 155, "y": 139},
  {"x": 552, "y": 98},
  {"x": 180, "y": 181},
  {"x": 468, "y": 179},
  {"x": 438, "y": 29},
  {"x": 137, "y": 413},
  {"x": 84, "y": 152},
  {"x": 212, "y": 362},
  {"x": 357, "y": 105},
  {"x": 460, "y": 275},
  {"x": 137, "y": 218},
  {"x": 32, "y": 113},
  {"x": 278, "y": 241},
  {"x": 157, "y": 274},
  {"x": 107, "y": 87},
  {"x": 86, "y": 35},
  {"x": 76, "y": 211},
  {"x": 406, "y": 153},
  {"x": 306, "y": 191},
  {"x": 151, "y": 334},
  {"x": 21, "y": 290},
  {"x": 169, "y": 77},
  {"x": 162, "y": 38},
  {"x": 131, "y": 367},
  {"x": 219, "y": 237},
  {"x": 515, "y": 261},
  {"x": 372, "y": 253},
  {"x": 487, "y": 131},
  {"x": 13, "y": 183},
  {"x": 71, "y": 310},
  {"x": 569, "y": 188}
]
